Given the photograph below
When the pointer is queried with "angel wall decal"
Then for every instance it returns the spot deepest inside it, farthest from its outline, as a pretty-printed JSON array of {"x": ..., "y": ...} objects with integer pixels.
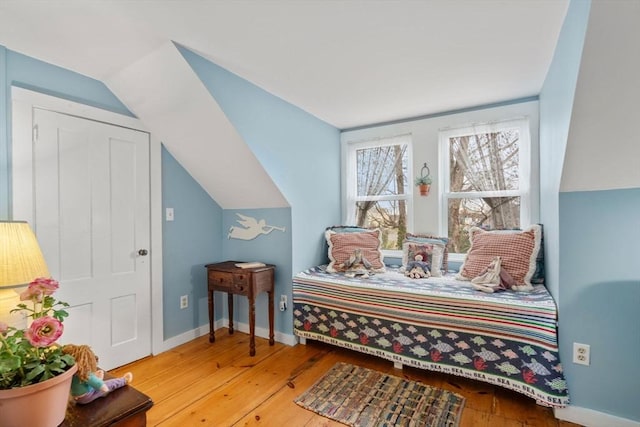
[{"x": 251, "y": 228}]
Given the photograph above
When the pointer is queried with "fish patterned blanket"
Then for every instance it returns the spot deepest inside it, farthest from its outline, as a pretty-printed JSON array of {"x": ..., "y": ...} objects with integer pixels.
[{"x": 442, "y": 324}]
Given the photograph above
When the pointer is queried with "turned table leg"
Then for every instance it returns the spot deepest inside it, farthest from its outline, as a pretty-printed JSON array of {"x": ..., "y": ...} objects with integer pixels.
[
  {"x": 252, "y": 325},
  {"x": 212, "y": 336},
  {"x": 230, "y": 304},
  {"x": 271, "y": 318}
]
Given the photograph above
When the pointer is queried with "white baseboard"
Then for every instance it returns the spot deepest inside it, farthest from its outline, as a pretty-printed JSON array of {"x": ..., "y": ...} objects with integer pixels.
[
  {"x": 185, "y": 337},
  {"x": 288, "y": 339},
  {"x": 591, "y": 418}
]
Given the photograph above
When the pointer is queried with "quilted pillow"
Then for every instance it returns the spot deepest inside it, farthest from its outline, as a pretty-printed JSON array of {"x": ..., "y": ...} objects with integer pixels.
[
  {"x": 342, "y": 246},
  {"x": 538, "y": 276},
  {"x": 431, "y": 252},
  {"x": 518, "y": 251},
  {"x": 428, "y": 238}
]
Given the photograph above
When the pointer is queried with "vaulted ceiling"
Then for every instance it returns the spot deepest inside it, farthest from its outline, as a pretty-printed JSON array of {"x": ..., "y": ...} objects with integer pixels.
[{"x": 349, "y": 63}]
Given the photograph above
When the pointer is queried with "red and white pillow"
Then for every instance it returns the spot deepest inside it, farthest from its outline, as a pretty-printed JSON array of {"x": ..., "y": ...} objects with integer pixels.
[{"x": 518, "y": 251}]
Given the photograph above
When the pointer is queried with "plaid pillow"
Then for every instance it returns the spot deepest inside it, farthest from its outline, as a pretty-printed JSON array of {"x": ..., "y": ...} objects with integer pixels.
[
  {"x": 518, "y": 251},
  {"x": 342, "y": 246},
  {"x": 538, "y": 276}
]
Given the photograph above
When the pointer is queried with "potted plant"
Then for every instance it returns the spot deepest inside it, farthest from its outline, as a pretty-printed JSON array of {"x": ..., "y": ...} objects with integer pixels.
[
  {"x": 35, "y": 375},
  {"x": 424, "y": 184}
]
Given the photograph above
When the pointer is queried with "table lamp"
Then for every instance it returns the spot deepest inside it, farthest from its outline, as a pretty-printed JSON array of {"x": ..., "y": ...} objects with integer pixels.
[{"x": 21, "y": 261}]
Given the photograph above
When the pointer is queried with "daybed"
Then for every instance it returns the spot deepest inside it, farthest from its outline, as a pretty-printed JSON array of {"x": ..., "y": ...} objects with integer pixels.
[{"x": 439, "y": 323}]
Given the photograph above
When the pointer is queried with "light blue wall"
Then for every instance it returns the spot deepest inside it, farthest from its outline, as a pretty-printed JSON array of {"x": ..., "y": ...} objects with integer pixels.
[
  {"x": 300, "y": 152},
  {"x": 190, "y": 241},
  {"x": 600, "y": 294},
  {"x": 556, "y": 104},
  {"x": 273, "y": 248},
  {"x": 591, "y": 247},
  {"x": 29, "y": 73}
]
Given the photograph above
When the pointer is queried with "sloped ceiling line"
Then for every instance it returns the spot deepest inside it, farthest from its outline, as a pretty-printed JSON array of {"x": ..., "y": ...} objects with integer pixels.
[{"x": 166, "y": 94}]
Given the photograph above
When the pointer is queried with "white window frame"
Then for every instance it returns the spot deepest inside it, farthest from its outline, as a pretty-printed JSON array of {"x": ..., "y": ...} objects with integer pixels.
[
  {"x": 350, "y": 185},
  {"x": 524, "y": 179}
]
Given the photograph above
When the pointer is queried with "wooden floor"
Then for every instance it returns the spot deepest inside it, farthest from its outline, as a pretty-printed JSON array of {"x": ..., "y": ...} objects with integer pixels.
[{"x": 203, "y": 384}]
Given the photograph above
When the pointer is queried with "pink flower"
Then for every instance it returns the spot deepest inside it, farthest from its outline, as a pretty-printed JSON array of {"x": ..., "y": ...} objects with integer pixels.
[
  {"x": 31, "y": 293},
  {"x": 44, "y": 331},
  {"x": 39, "y": 287},
  {"x": 3, "y": 328},
  {"x": 46, "y": 285}
]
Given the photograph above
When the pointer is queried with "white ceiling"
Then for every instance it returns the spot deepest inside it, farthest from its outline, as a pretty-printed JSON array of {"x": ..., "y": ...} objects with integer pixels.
[{"x": 350, "y": 63}]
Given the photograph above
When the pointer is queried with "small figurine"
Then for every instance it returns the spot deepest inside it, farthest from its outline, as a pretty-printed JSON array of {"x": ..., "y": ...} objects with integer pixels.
[
  {"x": 88, "y": 382},
  {"x": 418, "y": 269},
  {"x": 357, "y": 265}
]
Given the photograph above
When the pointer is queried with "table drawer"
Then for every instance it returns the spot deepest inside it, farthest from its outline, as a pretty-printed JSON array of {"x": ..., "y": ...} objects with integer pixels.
[
  {"x": 240, "y": 288},
  {"x": 221, "y": 279},
  {"x": 240, "y": 279}
]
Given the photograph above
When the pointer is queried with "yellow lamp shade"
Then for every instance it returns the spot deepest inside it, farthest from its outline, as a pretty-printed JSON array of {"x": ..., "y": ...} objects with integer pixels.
[{"x": 21, "y": 259}]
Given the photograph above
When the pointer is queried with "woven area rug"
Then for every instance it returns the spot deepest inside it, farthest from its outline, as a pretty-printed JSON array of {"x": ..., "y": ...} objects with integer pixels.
[{"x": 361, "y": 397}]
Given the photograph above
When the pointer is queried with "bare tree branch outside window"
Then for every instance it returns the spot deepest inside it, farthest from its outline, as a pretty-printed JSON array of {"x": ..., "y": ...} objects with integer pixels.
[
  {"x": 483, "y": 169},
  {"x": 381, "y": 183}
]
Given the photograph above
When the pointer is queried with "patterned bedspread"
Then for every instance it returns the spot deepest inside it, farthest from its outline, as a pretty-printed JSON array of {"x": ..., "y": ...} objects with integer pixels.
[{"x": 441, "y": 324}]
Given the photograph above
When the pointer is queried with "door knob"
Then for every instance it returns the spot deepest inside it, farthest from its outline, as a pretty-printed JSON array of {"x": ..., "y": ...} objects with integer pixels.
[{"x": 143, "y": 252}]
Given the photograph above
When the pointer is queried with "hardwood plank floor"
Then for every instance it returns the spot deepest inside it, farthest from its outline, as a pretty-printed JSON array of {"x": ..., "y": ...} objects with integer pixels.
[{"x": 203, "y": 384}]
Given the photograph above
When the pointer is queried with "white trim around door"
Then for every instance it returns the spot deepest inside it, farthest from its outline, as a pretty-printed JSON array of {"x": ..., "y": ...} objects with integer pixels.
[{"x": 23, "y": 103}]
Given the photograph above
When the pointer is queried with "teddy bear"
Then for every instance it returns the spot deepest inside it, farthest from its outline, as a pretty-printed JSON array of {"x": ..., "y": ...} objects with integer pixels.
[
  {"x": 88, "y": 382},
  {"x": 418, "y": 268}
]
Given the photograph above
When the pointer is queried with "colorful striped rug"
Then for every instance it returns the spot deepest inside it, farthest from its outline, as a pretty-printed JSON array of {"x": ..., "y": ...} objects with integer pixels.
[{"x": 358, "y": 396}]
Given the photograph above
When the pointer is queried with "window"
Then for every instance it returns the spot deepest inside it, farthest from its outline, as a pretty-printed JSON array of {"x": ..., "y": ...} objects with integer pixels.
[
  {"x": 378, "y": 189},
  {"x": 486, "y": 179}
]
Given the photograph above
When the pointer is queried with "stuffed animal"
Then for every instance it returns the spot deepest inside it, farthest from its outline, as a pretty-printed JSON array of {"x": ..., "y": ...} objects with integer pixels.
[
  {"x": 357, "y": 265},
  {"x": 496, "y": 278},
  {"x": 88, "y": 382},
  {"x": 418, "y": 269}
]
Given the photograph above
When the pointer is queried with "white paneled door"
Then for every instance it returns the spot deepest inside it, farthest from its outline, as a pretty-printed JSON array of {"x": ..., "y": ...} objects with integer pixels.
[{"x": 91, "y": 217}]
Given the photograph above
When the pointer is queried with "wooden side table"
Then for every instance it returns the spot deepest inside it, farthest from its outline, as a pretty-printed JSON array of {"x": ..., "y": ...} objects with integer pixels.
[
  {"x": 248, "y": 282},
  {"x": 125, "y": 407}
]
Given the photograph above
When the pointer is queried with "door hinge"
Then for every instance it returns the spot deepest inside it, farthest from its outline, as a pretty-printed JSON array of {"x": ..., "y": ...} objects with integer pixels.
[{"x": 35, "y": 133}]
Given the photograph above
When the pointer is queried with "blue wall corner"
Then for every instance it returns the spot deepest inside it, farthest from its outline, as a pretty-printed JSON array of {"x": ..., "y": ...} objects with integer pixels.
[
  {"x": 273, "y": 248},
  {"x": 600, "y": 296},
  {"x": 556, "y": 105},
  {"x": 300, "y": 152},
  {"x": 33, "y": 74},
  {"x": 190, "y": 241}
]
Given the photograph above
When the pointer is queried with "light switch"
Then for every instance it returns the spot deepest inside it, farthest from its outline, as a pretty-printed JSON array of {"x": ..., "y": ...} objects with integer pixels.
[{"x": 169, "y": 214}]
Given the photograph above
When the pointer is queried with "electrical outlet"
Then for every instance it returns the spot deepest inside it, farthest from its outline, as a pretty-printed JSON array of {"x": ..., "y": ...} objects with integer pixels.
[
  {"x": 169, "y": 214},
  {"x": 581, "y": 354},
  {"x": 283, "y": 302},
  {"x": 184, "y": 301}
]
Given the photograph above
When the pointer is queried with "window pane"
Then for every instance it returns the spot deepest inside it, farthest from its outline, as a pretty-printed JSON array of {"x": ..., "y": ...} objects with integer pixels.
[
  {"x": 382, "y": 170},
  {"x": 487, "y": 212},
  {"x": 484, "y": 161},
  {"x": 388, "y": 215}
]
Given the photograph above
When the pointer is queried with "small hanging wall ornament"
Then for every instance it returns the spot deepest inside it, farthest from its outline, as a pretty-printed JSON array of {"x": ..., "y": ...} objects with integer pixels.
[
  {"x": 423, "y": 182},
  {"x": 251, "y": 228}
]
